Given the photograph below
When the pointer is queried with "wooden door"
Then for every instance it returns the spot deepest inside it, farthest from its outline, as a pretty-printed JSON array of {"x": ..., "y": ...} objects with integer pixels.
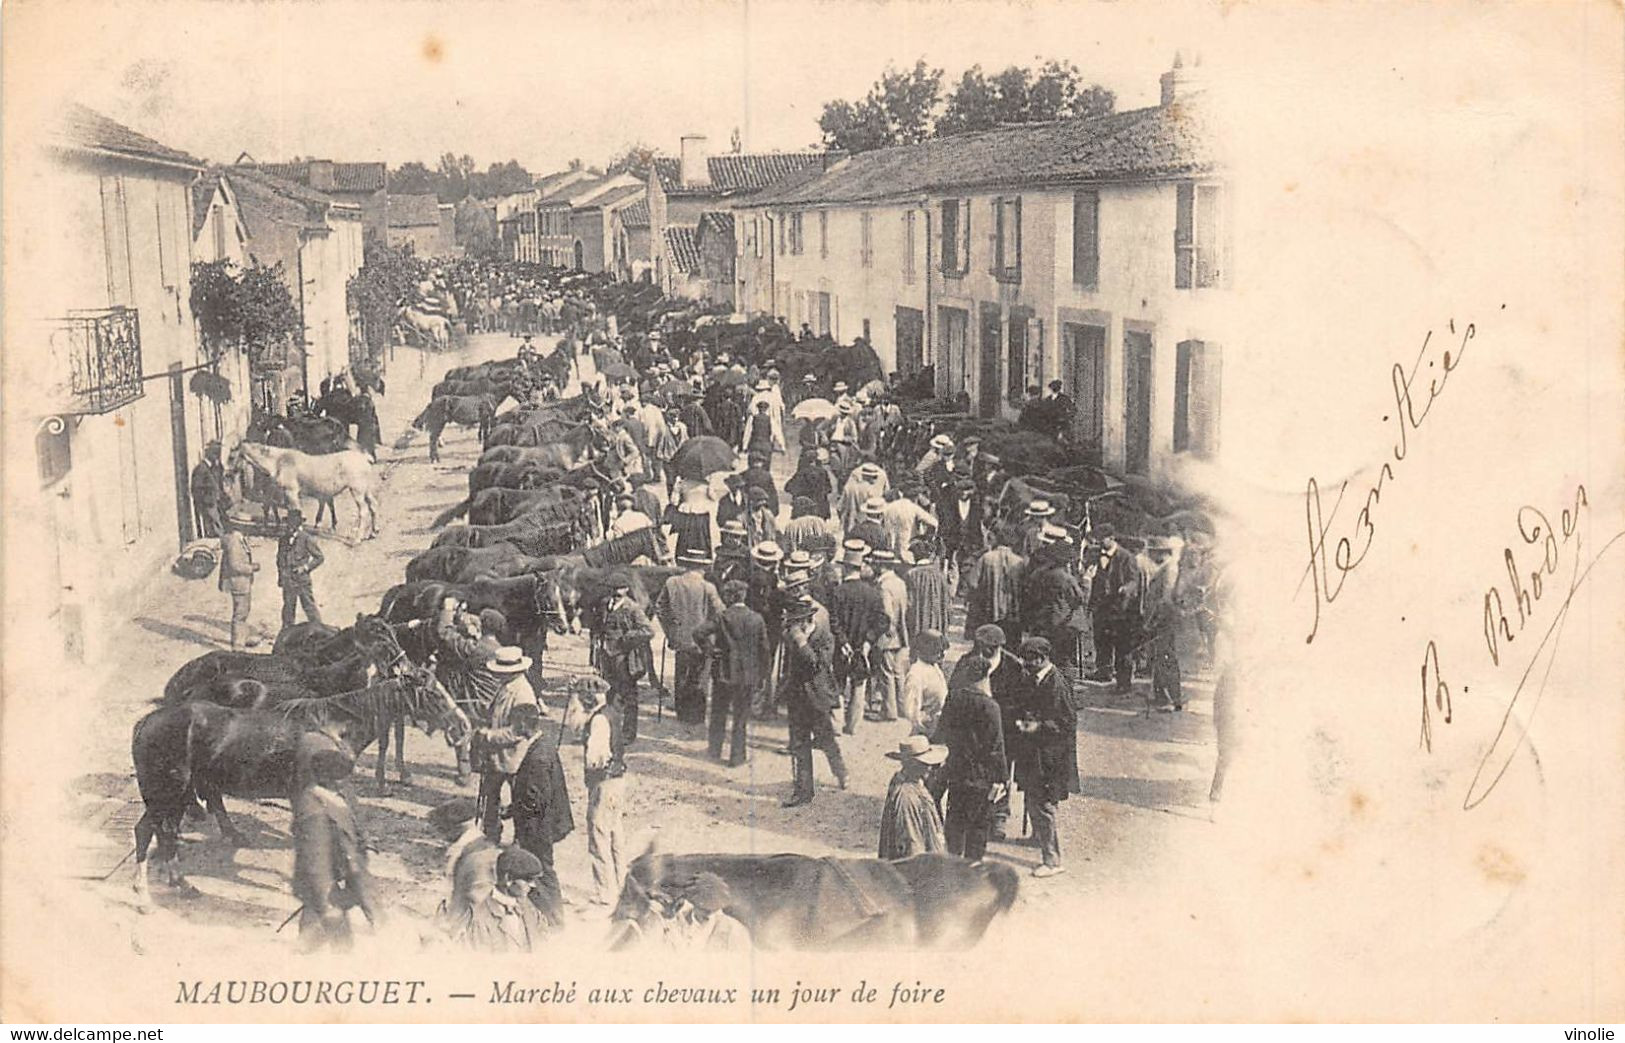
[
  {"x": 990, "y": 386},
  {"x": 1085, "y": 380},
  {"x": 955, "y": 326},
  {"x": 1136, "y": 401},
  {"x": 910, "y": 341},
  {"x": 177, "y": 427}
]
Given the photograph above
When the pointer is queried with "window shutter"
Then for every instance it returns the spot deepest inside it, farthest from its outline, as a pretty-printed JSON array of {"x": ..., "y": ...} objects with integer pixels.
[
  {"x": 1035, "y": 351},
  {"x": 1086, "y": 238},
  {"x": 964, "y": 236},
  {"x": 1182, "y": 394},
  {"x": 1016, "y": 267},
  {"x": 1184, "y": 224},
  {"x": 1207, "y": 235}
]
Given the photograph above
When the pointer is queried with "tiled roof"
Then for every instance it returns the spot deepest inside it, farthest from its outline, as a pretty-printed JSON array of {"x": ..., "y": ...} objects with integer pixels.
[
  {"x": 737, "y": 172},
  {"x": 86, "y": 128},
  {"x": 715, "y": 223},
  {"x": 565, "y": 192},
  {"x": 347, "y": 177},
  {"x": 411, "y": 211},
  {"x": 203, "y": 190},
  {"x": 636, "y": 215},
  {"x": 263, "y": 200},
  {"x": 680, "y": 245},
  {"x": 1147, "y": 142},
  {"x": 615, "y": 195},
  {"x": 550, "y": 182}
]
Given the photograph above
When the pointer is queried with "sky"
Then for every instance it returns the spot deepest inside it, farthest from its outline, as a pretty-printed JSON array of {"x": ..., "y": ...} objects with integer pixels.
[{"x": 543, "y": 82}]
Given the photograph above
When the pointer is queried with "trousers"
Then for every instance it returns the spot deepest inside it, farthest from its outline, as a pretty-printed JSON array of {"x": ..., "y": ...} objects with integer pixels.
[
  {"x": 968, "y": 821},
  {"x": 811, "y": 729},
  {"x": 489, "y": 803},
  {"x": 886, "y": 686},
  {"x": 296, "y": 595},
  {"x": 1165, "y": 684},
  {"x": 1042, "y": 812},
  {"x": 688, "y": 686},
  {"x": 241, "y": 603},
  {"x": 606, "y": 837},
  {"x": 548, "y": 896},
  {"x": 729, "y": 699}
]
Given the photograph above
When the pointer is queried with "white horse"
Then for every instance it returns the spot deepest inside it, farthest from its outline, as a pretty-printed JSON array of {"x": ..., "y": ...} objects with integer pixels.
[
  {"x": 436, "y": 329},
  {"x": 322, "y": 477}
]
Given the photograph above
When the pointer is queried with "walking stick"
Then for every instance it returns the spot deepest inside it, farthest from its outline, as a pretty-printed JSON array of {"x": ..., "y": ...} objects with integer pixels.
[
  {"x": 289, "y": 920},
  {"x": 660, "y": 689}
]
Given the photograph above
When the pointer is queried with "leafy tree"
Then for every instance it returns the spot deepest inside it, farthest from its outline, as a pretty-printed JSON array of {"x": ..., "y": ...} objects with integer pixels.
[
  {"x": 412, "y": 179},
  {"x": 636, "y": 159},
  {"x": 900, "y": 109},
  {"x": 251, "y": 308},
  {"x": 387, "y": 277},
  {"x": 477, "y": 229}
]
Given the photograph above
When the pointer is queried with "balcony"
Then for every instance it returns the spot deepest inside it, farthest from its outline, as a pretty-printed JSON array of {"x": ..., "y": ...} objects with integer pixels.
[{"x": 100, "y": 352}]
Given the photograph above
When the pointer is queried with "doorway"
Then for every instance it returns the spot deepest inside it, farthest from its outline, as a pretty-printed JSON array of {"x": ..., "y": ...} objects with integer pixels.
[
  {"x": 177, "y": 427},
  {"x": 1136, "y": 401},
  {"x": 988, "y": 382},
  {"x": 1084, "y": 359},
  {"x": 910, "y": 341}
]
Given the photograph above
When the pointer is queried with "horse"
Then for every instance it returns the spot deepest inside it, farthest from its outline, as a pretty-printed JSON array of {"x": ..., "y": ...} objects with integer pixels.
[
  {"x": 322, "y": 477},
  {"x": 579, "y": 445},
  {"x": 531, "y": 534},
  {"x": 324, "y": 678},
  {"x": 474, "y": 411},
  {"x": 465, "y": 564},
  {"x": 530, "y": 475},
  {"x": 797, "y": 902},
  {"x": 497, "y": 505},
  {"x": 433, "y": 330},
  {"x": 484, "y": 387},
  {"x": 316, "y": 435},
  {"x": 200, "y": 751},
  {"x": 327, "y": 644}
]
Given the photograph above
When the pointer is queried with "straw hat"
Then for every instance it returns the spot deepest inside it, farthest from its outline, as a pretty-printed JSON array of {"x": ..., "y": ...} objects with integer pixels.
[
  {"x": 696, "y": 558},
  {"x": 1040, "y": 509},
  {"x": 919, "y": 748},
  {"x": 509, "y": 660},
  {"x": 767, "y": 553},
  {"x": 874, "y": 505},
  {"x": 853, "y": 552},
  {"x": 942, "y": 442}
]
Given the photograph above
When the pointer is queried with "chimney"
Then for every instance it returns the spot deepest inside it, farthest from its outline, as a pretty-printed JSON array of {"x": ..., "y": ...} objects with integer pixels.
[
  {"x": 321, "y": 175},
  {"x": 695, "y": 165},
  {"x": 1180, "y": 82}
]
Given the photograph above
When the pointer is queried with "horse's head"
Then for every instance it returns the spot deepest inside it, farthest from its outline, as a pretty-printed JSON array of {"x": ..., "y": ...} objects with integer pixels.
[
  {"x": 375, "y": 637},
  {"x": 430, "y": 706},
  {"x": 557, "y": 602}
]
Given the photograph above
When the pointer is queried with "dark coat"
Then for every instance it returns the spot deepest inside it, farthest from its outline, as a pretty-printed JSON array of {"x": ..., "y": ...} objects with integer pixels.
[
  {"x": 541, "y": 800},
  {"x": 812, "y": 482},
  {"x": 1046, "y": 760},
  {"x": 1049, "y": 597},
  {"x": 810, "y": 678},
  {"x": 972, "y": 729},
  {"x": 330, "y": 857},
  {"x": 857, "y": 614},
  {"x": 297, "y": 556},
  {"x": 739, "y": 637}
]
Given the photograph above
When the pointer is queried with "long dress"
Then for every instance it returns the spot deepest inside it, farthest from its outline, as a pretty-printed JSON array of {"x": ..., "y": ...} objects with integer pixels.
[{"x": 910, "y": 824}]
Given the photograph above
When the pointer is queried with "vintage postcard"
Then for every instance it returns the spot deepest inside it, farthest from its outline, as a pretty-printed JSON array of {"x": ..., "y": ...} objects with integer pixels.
[{"x": 742, "y": 510}]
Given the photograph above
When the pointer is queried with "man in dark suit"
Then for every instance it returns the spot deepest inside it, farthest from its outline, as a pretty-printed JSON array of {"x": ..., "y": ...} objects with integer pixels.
[
  {"x": 975, "y": 774},
  {"x": 857, "y": 620},
  {"x": 738, "y": 638},
  {"x": 297, "y": 556},
  {"x": 1045, "y": 747},
  {"x": 811, "y": 696},
  {"x": 209, "y": 492},
  {"x": 1061, "y": 410},
  {"x": 541, "y": 816},
  {"x": 1113, "y": 571},
  {"x": 1003, "y": 681}
]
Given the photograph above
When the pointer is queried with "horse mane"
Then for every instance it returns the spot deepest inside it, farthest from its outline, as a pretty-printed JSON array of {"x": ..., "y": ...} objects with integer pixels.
[
  {"x": 622, "y": 550},
  {"x": 363, "y": 704}
]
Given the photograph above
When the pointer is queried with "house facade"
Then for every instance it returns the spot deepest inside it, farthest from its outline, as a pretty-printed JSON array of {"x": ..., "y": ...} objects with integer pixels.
[
  {"x": 102, "y": 393},
  {"x": 366, "y": 185},
  {"x": 218, "y": 234},
  {"x": 714, "y": 242},
  {"x": 318, "y": 242},
  {"x": 423, "y": 223},
  {"x": 574, "y": 230},
  {"x": 1094, "y": 252}
]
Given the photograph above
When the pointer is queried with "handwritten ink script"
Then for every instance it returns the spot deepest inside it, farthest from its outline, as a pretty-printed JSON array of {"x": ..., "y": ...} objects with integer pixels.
[
  {"x": 1410, "y": 410},
  {"x": 1507, "y": 612}
]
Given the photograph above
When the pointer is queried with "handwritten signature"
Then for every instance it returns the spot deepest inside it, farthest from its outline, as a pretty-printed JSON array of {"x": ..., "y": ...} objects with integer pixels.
[
  {"x": 1350, "y": 551},
  {"x": 1535, "y": 530}
]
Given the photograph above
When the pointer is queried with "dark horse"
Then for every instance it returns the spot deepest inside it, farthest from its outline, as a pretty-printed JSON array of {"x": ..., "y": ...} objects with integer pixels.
[
  {"x": 831, "y": 904},
  {"x": 200, "y": 751},
  {"x": 464, "y": 410}
]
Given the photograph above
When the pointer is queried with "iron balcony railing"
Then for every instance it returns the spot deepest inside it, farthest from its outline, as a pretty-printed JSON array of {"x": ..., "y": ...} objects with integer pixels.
[{"x": 100, "y": 350}]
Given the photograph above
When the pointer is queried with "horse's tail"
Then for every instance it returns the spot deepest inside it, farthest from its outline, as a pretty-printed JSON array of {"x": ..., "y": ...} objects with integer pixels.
[
  {"x": 1005, "y": 887},
  {"x": 452, "y": 513}
]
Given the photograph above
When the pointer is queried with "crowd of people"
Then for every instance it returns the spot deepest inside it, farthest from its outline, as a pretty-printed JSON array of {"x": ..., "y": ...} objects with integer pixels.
[{"x": 825, "y": 603}]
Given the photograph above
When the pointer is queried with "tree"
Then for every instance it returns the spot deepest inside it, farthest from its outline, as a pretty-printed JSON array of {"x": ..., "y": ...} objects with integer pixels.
[
  {"x": 251, "y": 309},
  {"x": 476, "y": 228},
  {"x": 386, "y": 278},
  {"x": 1015, "y": 95},
  {"x": 637, "y": 159},
  {"x": 900, "y": 109},
  {"x": 412, "y": 179}
]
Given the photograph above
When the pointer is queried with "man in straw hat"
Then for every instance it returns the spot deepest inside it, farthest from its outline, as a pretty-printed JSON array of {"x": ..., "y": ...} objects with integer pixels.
[
  {"x": 686, "y": 604},
  {"x": 867, "y": 480},
  {"x": 499, "y": 748},
  {"x": 868, "y": 527},
  {"x": 940, "y": 451},
  {"x": 237, "y": 568},
  {"x": 1038, "y": 514},
  {"x": 811, "y": 695},
  {"x": 910, "y": 823}
]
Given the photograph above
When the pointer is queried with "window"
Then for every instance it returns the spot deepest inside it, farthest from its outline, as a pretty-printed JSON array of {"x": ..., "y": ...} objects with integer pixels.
[
  {"x": 955, "y": 236},
  {"x": 784, "y": 240},
  {"x": 1086, "y": 239},
  {"x": 823, "y": 233},
  {"x": 1201, "y": 237},
  {"x": 1007, "y": 239},
  {"x": 1016, "y": 356},
  {"x": 755, "y": 235},
  {"x": 1196, "y": 398},
  {"x": 217, "y": 221},
  {"x": 909, "y": 219},
  {"x": 866, "y": 239},
  {"x": 797, "y": 241}
]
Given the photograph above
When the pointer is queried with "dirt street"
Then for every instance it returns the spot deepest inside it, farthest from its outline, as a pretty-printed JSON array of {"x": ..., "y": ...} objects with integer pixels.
[{"x": 1145, "y": 778}]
